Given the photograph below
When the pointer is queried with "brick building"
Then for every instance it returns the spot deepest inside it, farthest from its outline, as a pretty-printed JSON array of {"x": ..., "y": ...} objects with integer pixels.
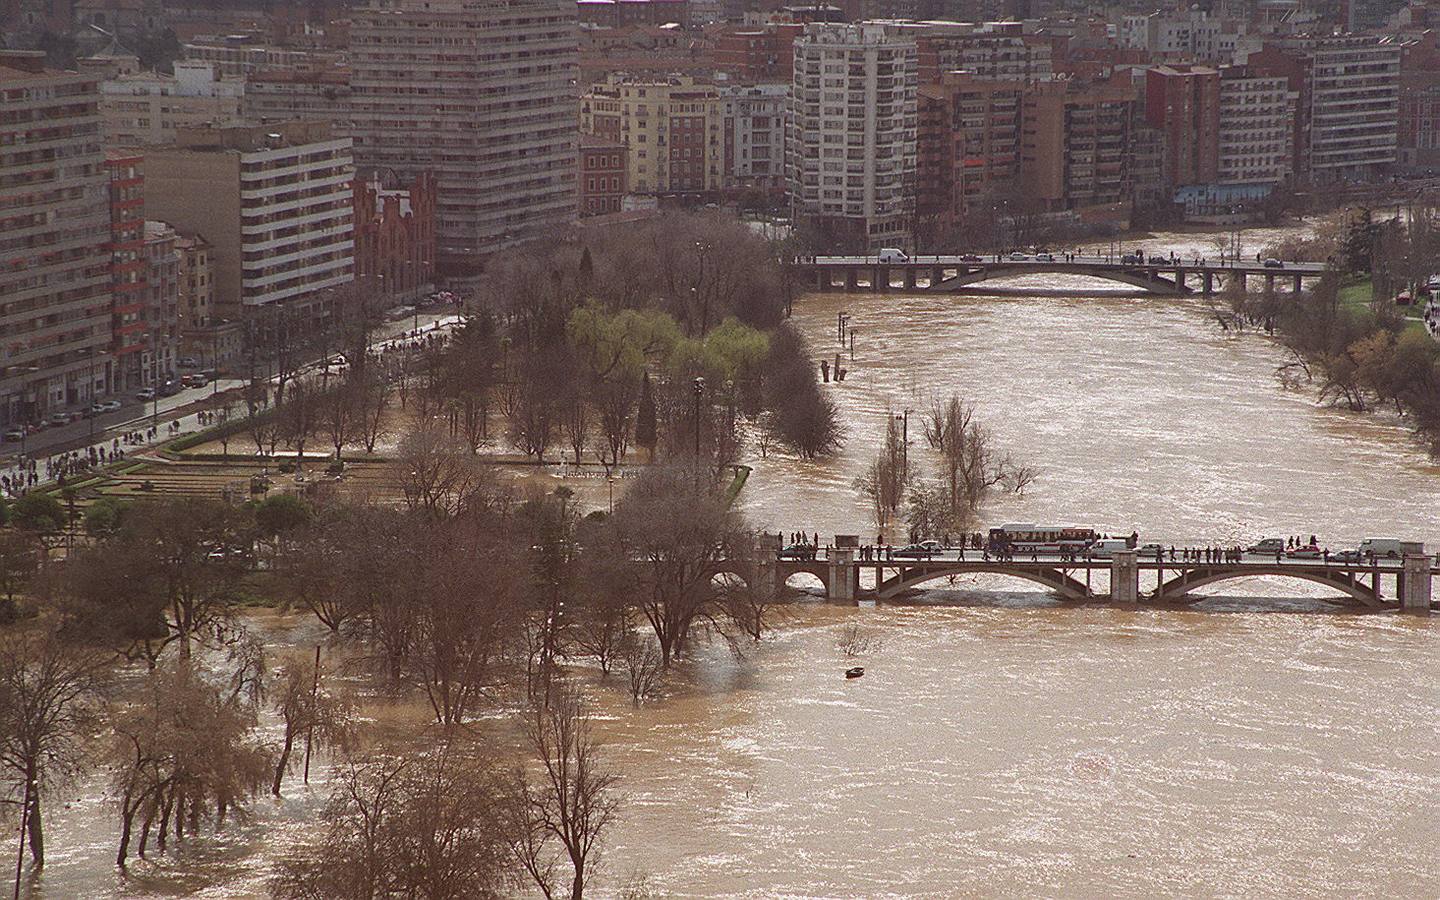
[
  {"x": 1184, "y": 103},
  {"x": 603, "y": 175},
  {"x": 127, "y": 269},
  {"x": 395, "y": 236}
]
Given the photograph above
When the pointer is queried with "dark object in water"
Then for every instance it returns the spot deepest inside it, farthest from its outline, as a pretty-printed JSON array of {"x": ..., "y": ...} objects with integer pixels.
[{"x": 855, "y": 672}]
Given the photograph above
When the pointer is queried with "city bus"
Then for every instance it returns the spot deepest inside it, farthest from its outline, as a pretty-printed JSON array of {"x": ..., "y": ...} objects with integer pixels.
[{"x": 1041, "y": 538}]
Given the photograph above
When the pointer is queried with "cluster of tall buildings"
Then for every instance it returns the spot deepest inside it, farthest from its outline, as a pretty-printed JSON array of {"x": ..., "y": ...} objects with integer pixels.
[{"x": 282, "y": 161}]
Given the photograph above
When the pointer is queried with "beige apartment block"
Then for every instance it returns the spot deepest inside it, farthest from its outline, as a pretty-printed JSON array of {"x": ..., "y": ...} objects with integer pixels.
[
  {"x": 55, "y": 325},
  {"x": 272, "y": 201},
  {"x": 672, "y": 127},
  {"x": 149, "y": 107},
  {"x": 481, "y": 93}
]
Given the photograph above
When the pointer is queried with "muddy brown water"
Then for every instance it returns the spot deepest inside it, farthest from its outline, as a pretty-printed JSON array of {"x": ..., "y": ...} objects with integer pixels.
[{"x": 1000, "y": 744}]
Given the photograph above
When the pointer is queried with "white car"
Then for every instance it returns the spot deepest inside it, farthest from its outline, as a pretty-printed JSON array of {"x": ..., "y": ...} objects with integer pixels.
[
  {"x": 145, "y": 394},
  {"x": 1017, "y": 256},
  {"x": 60, "y": 418},
  {"x": 109, "y": 406}
]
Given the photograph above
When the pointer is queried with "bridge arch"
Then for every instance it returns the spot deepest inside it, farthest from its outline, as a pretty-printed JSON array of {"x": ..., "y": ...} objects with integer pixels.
[
  {"x": 1177, "y": 589},
  {"x": 1067, "y": 587},
  {"x": 804, "y": 580},
  {"x": 1144, "y": 278}
]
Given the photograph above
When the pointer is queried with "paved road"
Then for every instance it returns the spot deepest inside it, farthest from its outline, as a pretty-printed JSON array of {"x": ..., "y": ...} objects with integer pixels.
[{"x": 1099, "y": 261}]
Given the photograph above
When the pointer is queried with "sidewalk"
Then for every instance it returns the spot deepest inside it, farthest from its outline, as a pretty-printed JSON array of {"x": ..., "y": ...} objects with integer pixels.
[{"x": 183, "y": 407}]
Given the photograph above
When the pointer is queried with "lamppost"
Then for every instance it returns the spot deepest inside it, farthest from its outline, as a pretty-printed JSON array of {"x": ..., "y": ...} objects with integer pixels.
[
  {"x": 699, "y": 390},
  {"x": 610, "y": 482},
  {"x": 904, "y": 421},
  {"x": 91, "y": 392}
]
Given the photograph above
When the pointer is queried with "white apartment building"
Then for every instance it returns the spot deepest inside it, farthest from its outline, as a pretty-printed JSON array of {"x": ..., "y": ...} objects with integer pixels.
[
  {"x": 1257, "y": 120},
  {"x": 755, "y": 135},
  {"x": 481, "y": 93},
  {"x": 672, "y": 127},
  {"x": 273, "y": 201},
  {"x": 851, "y": 143},
  {"x": 1354, "y": 107},
  {"x": 147, "y": 107},
  {"x": 1190, "y": 35}
]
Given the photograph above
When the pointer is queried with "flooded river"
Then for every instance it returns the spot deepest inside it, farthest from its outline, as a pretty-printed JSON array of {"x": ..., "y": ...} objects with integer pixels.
[{"x": 1001, "y": 744}]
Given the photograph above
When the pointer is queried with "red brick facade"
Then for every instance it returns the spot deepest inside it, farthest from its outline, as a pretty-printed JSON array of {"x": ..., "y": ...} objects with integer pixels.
[
  {"x": 602, "y": 178},
  {"x": 395, "y": 236}
]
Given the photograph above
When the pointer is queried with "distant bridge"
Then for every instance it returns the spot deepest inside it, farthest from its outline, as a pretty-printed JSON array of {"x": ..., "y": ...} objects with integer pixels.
[
  {"x": 1070, "y": 579},
  {"x": 959, "y": 274}
]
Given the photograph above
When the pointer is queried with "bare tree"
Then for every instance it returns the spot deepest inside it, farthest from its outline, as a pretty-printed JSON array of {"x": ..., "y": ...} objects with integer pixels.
[
  {"x": 855, "y": 641},
  {"x": 571, "y": 800},
  {"x": 431, "y": 825},
  {"x": 644, "y": 666},
  {"x": 48, "y": 698},
  {"x": 309, "y": 711},
  {"x": 438, "y": 475}
]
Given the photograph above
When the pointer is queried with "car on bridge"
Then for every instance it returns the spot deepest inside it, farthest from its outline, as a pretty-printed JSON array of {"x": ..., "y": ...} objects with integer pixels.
[
  {"x": 1045, "y": 257},
  {"x": 1017, "y": 256},
  {"x": 1132, "y": 259},
  {"x": 969, "y": 257},
  {"x": 1268, "y": 546},
  {"x": 1159, "y": 260},
  {"x": 922, "y": 550},
  {"x": 796, "y": 551},
  {"x": 1347, "y": 556},
  {"x": 1310, "y": 551},
  {"x": 1273, "y": 263}
]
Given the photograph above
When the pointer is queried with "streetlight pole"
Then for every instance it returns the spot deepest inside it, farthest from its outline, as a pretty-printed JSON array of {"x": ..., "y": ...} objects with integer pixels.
[{"x": 699, "y": 390}]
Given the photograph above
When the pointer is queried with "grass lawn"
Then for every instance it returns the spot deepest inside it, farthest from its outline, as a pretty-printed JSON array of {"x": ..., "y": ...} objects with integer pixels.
[{"x": 1356, "y": 296}]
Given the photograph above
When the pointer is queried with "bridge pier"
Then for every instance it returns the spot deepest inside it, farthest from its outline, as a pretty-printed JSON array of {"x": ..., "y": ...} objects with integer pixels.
[
  {"x": 852, "y": 280},
  {"x": 879, "y": 280},
  {"x": 843, "y": 585},
  {"x": 1208, "y": 282},
  {"x": 1125, "y": 577},
  {"x": 1414, "y": 583},
  {"x": 937, "y": 275},
  {"x": 1299, "y": 284},
  {"x": 910, "y": 278},
  {"x": 822, "y": 279},
  {"x": 1269, "y": 284}
]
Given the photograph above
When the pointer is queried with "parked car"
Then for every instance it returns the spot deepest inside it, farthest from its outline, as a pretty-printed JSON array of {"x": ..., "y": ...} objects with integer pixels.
[
  {"x": 109, "y": 406},
  {"x": 145, "y": 394},
  {"x": 797, "y": 551},
  {"x": 194, "y": 380},
  {"x": 170, "y": 388},
  {"x": 969, "y": 257},
  {"x": 61, "y": 418},
  {"x": 1017, "y": 256},
  {"x": 1150, "y": 551},
  {"x": 189, "y": 362},
  {"x": 1131, "y": 259},
  {"x": 15, "y": 434},
  {"x": 1268, "y": 546},
  {"x": 1347, "y": 556},
  {"x": 1308, "y": 552},
  {"x": 1159, "y": 260},
  {"x": 1045, "y": 257},
  {"x": 1273, "y": 263}
]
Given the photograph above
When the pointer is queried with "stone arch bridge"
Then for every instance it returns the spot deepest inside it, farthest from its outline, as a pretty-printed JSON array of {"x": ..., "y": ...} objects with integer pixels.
[
  {"x": 1388, "y": 583},
  {"x": 961, "y": 274}
]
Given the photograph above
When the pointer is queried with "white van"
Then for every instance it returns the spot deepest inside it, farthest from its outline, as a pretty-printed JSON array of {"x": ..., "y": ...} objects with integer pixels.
[
  {"x": 892, "y": 255},
  {"x": 1391, "y": 548},
  {"x": 1106, "y": 549}
]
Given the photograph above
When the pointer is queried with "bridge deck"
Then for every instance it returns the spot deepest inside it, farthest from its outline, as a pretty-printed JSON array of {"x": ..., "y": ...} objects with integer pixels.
[{"x": 1103, "y": 263}]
